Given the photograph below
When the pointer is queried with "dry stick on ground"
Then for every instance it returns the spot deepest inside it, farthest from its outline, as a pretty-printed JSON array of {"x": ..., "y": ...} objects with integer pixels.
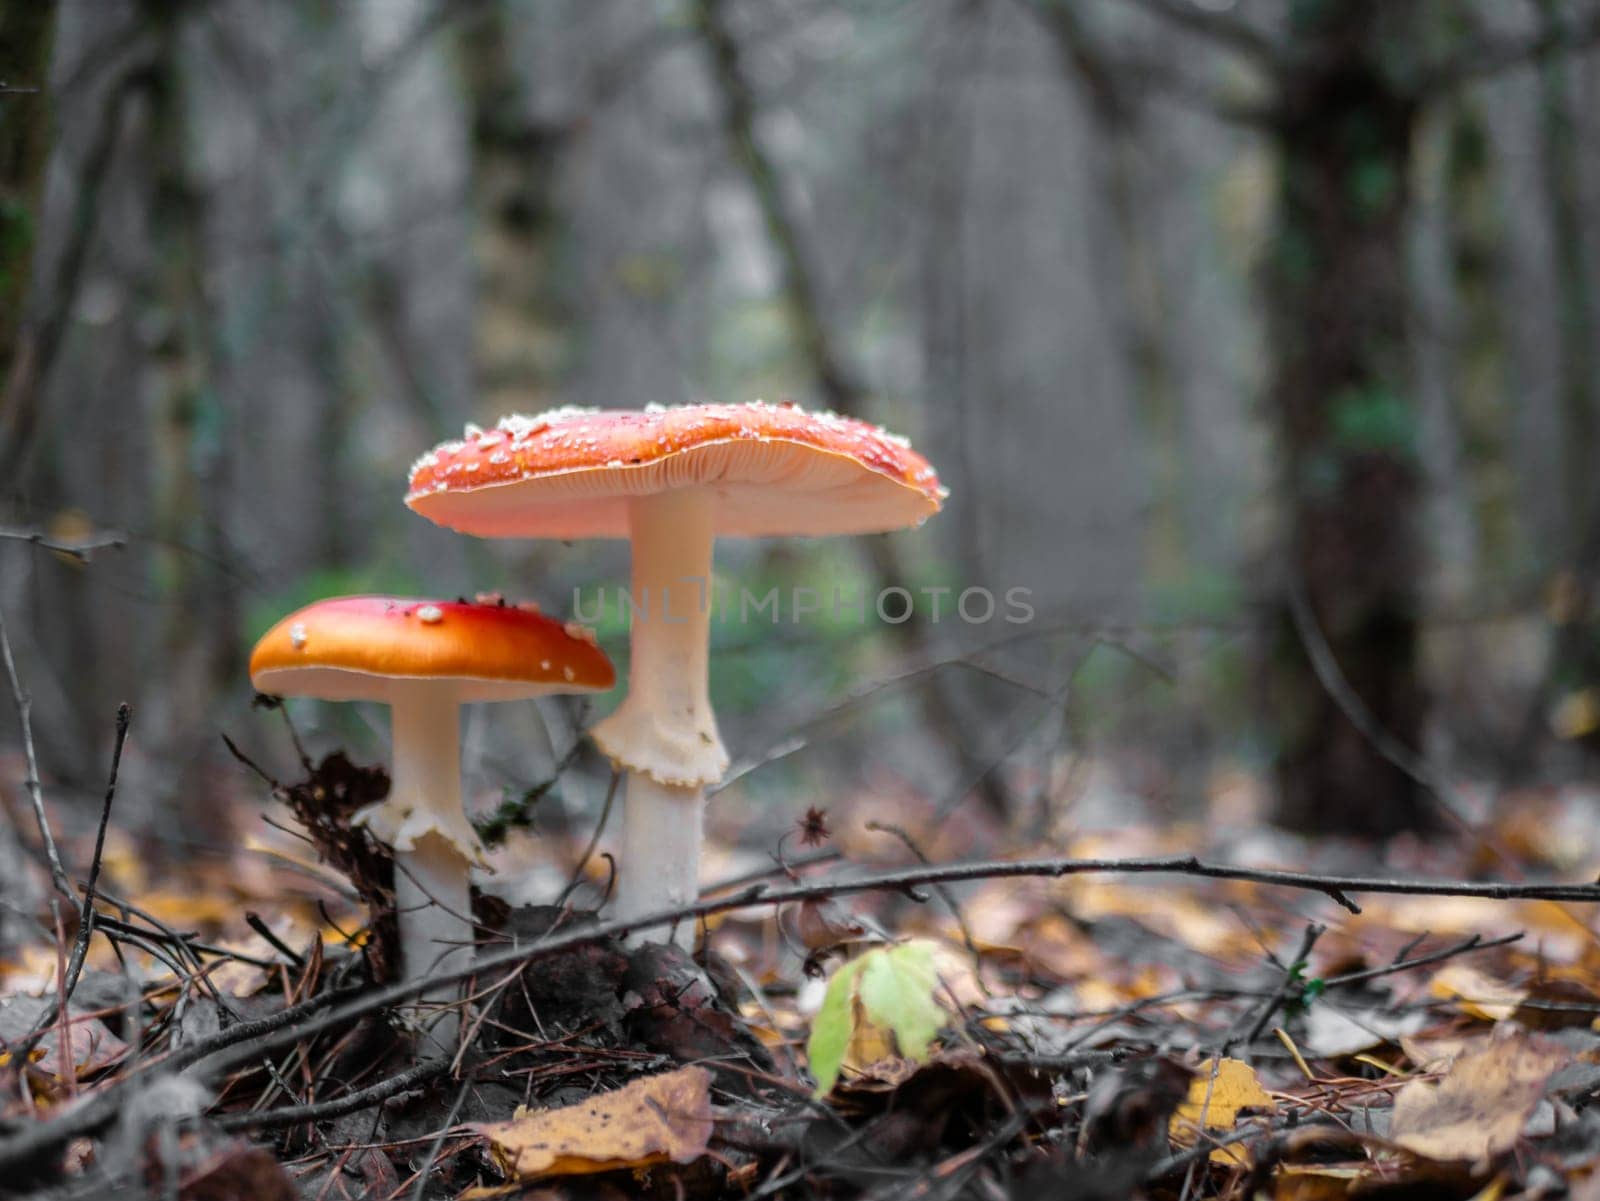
[
  {"x": 250, "y": 1040},
  {"x": 87, "y": 914},
  {"x": 24, "y": 703},
  {"x": 87, "y": 917},
  {"x": 945, "y": 895},
  {"x": 1291, "y": 980},
  {"x": 373, "y": 1094}
]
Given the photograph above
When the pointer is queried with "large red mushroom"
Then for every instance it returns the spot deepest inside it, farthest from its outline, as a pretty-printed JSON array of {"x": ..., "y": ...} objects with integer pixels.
[{"x": 671, "y": 480}]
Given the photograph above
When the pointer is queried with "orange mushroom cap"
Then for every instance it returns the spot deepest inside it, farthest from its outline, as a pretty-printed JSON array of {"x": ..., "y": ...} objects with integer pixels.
[
  {"x": 351, "y": 648},
  {"x": 774, "y": 469}
]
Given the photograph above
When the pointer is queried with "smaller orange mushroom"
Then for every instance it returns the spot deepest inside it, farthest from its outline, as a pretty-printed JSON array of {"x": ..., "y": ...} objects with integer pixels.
[{"x": 425, "y": 659}]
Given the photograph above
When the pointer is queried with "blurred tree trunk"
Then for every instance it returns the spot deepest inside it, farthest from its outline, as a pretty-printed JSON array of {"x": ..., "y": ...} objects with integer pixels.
[
  {"x": 841, "y": 391},
  {"x": 1473, "y": 232},
  {"x": 1341, "y": 399},
  {"x": 1575, "y": 306},
  {"x": 27, "y": 31},
  {"x": 519, "y": 338},
  {"x": 199, "y": 638},
  {"x": 1573, "y": 668}
]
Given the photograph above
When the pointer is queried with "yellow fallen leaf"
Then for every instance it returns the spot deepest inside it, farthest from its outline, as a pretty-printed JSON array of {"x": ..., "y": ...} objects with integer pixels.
[
  {"x": 1216, "y": 1101},
  {"x": 1314, "y": 1182},
  {"x": 1477, "y": 1110},
  {"x": 659, "y": 1119},
  {"x": 1476, "y": 993}
]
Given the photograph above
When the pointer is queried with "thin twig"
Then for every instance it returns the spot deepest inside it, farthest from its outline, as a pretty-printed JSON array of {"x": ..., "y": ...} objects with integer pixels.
[
  {"x": 1475, "y": 943},
  {"x": 438, "y": 1143},
  {"x": 594, "y": 842},
  {"x": 87, "y": 914},
  {"x": 1332, "y": 678},
  {"x": 24, "y": 703},
  {"x": 81, "y": 549},
  {"x": 1291, "y": 981},
  {"x": 256, "y": 923},
  {"x": 250, "y": 1040},
  {"x": 945, "y": 895},
  {"x": 373, "y": 1094}
]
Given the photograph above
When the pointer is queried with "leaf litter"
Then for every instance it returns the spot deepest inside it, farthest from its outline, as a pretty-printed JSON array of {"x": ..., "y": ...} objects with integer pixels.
[{"x": 1093, "y": 1036}]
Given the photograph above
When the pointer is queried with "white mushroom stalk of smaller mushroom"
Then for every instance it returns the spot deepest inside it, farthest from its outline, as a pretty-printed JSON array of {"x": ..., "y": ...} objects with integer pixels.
[{"x": 435, "y": 846}]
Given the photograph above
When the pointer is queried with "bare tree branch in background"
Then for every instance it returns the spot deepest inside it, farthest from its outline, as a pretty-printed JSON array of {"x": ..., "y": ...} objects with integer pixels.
[
  {"x": 1217, "y": 26},
  {"x": 1118, "y": 81},
  {"x": 839, "y": 387},
  {"x": 27, "y": 32},
  {"x": 1489, "y": 55},
  {"x": 39, "y": 343}
]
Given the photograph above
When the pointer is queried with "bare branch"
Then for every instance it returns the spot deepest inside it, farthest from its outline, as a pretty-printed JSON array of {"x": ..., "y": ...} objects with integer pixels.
[
  {"x": 24, "y": 704},
  {"x": 1482, "y": 57},
  {"x": 1332, "y": 678},
  {"x": 1116, "y": 80},
  {"x": 1220, "y": 28},
  {"x": 373, "y": 1094},
  {"x": 80, "y": 549},
  {"x": 248, "y": 1041}
]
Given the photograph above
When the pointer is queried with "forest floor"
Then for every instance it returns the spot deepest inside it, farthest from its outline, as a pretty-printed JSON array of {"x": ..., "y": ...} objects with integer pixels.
[{"x": 1070, "y": 1030}]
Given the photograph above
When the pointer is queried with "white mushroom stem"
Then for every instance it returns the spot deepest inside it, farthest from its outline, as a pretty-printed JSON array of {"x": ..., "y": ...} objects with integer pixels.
[
  {"x": 434, "y": 845},
  {"x": 665, "y": 732},
  {"x": 431, "y": 896},
  {"x": 660, "y": 869}
]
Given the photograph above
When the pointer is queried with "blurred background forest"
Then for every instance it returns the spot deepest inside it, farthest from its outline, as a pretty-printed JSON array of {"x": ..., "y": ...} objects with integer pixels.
[{"x": 1257, "y": 339}]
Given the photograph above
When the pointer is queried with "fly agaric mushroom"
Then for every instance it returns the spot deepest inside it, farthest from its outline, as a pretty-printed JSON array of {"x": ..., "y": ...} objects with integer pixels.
[
  {"x": 425, "y": 659},
  {"x": 671, "y": 480}
]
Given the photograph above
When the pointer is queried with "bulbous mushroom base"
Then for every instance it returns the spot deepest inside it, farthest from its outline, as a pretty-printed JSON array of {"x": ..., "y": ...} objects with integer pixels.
[
  {"x": 434, "y": 906},
  {"x": 660, "y": 867}
]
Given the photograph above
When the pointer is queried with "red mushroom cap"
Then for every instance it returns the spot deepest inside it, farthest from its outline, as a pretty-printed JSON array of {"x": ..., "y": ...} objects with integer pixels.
[
  {"x": 775, "y": 469},
  {"x": 351, "y": 648}
]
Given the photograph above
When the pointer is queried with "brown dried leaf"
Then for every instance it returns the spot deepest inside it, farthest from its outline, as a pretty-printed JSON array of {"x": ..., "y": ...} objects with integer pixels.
[
  {"x": 92, "y": 1044},
  {"x": 659, "y": 1119},
  {"x": 1477, "y": 1110}
]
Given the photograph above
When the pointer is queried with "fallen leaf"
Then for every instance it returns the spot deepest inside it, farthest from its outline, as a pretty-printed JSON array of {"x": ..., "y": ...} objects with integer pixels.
[
  {"x": 1475, "y": 993},
  {"x": 659, "y": 1119},
  {"x": 92, "y": 1044},
  {"x": 1314, "y": 1182},
  {"x": 1477, "y": 1110},
  {"x": 1437, "y": 1054},
  {"x": 1217, "y": 1095},
  {"x": 1331, "y": 1032},
  {"x": 880, "y": 1006}
]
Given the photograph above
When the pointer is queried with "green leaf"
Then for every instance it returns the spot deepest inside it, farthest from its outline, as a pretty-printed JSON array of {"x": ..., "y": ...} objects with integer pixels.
[
  {"x": 834, "y": 1024},
  {"x": 891, "y": 988},
  {"x": 899, "y": 989}
]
